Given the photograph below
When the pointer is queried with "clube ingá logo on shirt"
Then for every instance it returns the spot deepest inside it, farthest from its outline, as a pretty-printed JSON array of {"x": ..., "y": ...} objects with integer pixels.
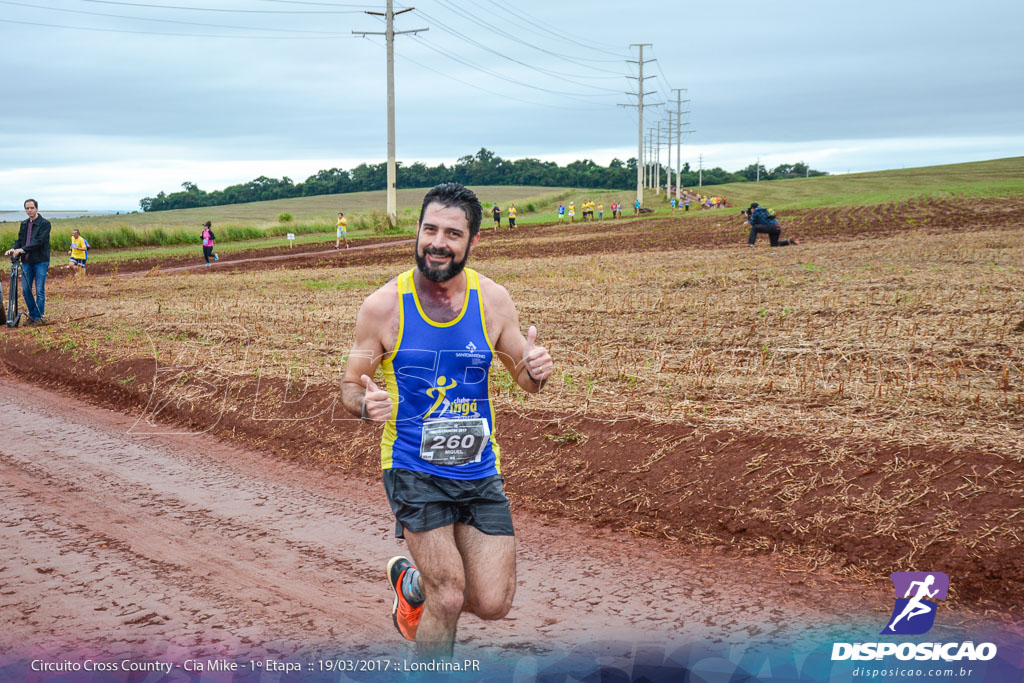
[{"x": 917, "y": 596}]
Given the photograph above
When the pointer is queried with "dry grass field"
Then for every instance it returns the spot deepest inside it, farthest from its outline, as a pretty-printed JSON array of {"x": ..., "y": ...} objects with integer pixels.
[{"x": 857, "y": 401}]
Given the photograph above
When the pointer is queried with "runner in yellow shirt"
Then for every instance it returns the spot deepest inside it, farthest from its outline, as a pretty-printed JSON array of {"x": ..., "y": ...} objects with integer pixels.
[
  {"x": 342, "y": 231},
  {"x": 511, "y": 216}
]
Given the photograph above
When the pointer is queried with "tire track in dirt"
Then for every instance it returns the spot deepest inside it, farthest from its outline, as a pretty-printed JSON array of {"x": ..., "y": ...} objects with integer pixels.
[{"x": 178, "y": 546}]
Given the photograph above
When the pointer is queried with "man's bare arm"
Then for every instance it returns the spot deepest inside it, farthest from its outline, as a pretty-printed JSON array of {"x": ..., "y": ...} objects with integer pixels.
[
  {"x": 530, "y": 365},
  {"x": 358, "y": 393}
]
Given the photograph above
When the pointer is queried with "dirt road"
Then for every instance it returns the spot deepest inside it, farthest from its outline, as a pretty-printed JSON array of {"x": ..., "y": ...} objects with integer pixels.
[{"x": 178, "y": 546}]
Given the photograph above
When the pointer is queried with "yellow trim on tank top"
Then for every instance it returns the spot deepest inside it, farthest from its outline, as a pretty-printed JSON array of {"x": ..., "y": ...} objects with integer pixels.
[
  {"x": 426, "y": 319},
  {"x": 475, "y": 280},
  {"x": 390, "y": 435}
]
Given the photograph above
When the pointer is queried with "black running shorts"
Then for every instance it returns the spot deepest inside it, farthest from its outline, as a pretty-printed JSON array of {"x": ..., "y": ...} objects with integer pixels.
[{"x": 423, "y": 502}]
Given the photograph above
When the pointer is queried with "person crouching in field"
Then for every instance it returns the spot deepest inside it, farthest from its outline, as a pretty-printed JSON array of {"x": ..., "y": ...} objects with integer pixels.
[
  {"x": 208, "y": 238},
  {"x": 763, "y": 220},
  {"x": 78, "y": 253}
]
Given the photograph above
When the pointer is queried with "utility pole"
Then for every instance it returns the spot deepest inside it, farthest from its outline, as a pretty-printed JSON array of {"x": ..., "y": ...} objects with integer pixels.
[
  {"x": 650, "y": 158},
  {"x": 657, "y": 162},
  {"x": 700, "y": 171},
  {"x": 644, "y": 157},
  {"x": 642, "y": 162},
  {"x": 389, "y": 34},
  {"x": 640, "y": 116},
  {"x": 679, "y": 140},
  {"x": 668, "y": 170}
]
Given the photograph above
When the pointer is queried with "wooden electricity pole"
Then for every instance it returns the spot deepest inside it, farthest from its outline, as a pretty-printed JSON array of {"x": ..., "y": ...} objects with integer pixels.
[{"x": 389, "y": 34}]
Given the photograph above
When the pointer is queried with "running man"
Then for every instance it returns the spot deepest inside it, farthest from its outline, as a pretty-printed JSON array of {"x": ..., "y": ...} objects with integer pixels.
[
  {"x": 496, "y": 212},
  {"x": 561, "y": 212},
  {"x": 435, "y": 330},
  {"x": 342, "y": 231},
  {"x": 636, "y": 207},
  {"x": 511, "y": 216},
  {"x": 915, "y": 607},
  {"x": 77, "y": 252}
]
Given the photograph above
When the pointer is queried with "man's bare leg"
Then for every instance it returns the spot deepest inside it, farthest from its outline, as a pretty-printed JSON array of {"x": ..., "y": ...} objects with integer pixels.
[
  {"x": 489, "y": 565},
  {"x": 443, "y": 583},
  {"x": 446, "y": 557}
]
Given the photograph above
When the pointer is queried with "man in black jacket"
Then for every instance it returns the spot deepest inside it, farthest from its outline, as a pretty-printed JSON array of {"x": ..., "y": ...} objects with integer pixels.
[{"x": 33, "y": 245}]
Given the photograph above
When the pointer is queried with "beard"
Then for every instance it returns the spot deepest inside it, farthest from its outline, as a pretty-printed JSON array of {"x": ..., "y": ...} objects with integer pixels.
[{"x": 440, "y": 274}]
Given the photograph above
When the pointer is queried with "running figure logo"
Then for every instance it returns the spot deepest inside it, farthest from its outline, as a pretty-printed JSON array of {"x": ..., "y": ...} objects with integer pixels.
[
  {"x": 914, "y": 613},
  {"x": 440, "y": 390}
]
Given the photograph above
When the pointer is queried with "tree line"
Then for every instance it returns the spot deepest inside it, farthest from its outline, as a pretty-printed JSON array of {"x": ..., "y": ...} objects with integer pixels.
[{"x": 483, "y": 168}]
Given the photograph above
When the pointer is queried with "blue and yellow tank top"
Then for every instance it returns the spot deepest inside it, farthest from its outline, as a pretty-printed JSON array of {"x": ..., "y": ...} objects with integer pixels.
[{"x": 437, "y": 375}]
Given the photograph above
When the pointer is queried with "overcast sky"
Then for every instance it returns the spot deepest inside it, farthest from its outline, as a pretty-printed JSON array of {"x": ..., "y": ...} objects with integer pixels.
[{"x": 97, "y": 119}]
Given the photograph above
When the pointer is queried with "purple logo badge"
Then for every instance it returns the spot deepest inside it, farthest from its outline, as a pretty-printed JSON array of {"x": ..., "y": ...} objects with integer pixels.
[{"x": 917, "y": 596}]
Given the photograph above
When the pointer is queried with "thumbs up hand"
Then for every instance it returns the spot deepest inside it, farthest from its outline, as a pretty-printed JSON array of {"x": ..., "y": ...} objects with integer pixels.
[
  {"x": 376, "y": 401},
  {"x": 536, "y": 359}
]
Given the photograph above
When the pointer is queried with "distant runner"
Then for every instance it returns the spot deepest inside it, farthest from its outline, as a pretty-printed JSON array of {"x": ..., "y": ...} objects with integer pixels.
[
  {"x": 561, "y": 212},
  {"x": 435, "y": 331},
  {"x": 511, "y": 216},
  {"x": 572, "y": 211},
  {"x": 342, "y": 232},
  {"x": 496, "y": 212},
  {"x": 208, "y": 238}
]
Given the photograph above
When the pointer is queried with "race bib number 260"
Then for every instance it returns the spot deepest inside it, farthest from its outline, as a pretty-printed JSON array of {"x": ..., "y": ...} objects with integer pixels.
[{"x": 454, "y": 442}]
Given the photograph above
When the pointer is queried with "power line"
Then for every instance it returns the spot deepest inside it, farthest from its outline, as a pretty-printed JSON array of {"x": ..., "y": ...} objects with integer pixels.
[
  {"x": 215, "y": 9},
  {"x": 525, "y": 17},
  {"x": 324, "y": 4},
  {"x": 444, "y": 27},
  {"x": 169, "y": 21},
  {"x": 497, "y": 75},
  {"x": 159, "y": 33},
  {"x": 519, "y": 41},
  {"x": 462, "y": 81},
  {"x": 662, "y": 72}
]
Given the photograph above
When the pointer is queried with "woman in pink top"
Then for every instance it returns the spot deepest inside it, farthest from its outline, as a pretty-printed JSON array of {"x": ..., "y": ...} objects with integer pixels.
[{"x": 208, "y": 238}]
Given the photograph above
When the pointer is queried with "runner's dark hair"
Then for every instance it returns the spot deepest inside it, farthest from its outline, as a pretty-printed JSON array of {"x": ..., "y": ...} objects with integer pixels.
[
  {"x": 456, "y": 194},
  {"x": 34, "y": 203}
]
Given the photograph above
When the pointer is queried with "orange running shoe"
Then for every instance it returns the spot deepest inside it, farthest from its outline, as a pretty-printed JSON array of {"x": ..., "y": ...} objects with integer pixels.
[{"x": 405, "y": 615}]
